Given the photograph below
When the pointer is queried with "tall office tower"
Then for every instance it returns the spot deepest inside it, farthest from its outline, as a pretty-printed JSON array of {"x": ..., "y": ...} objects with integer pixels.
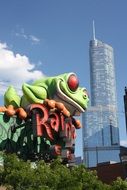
[{"x": 100, "y": 132}]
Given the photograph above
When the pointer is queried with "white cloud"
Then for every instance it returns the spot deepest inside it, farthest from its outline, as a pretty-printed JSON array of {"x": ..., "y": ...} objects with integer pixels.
[
  {"x": 22, "y": 35},
  {"x": 15, "y": 69},
  {"x": 123, "y": 143},
  {"x": 32, "y": 38}
]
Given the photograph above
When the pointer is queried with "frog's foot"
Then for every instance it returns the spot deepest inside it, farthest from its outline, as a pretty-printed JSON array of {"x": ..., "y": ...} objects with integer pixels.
[
  {"x": 11, "y": 111},
  {"x": 60, "y": 106}
]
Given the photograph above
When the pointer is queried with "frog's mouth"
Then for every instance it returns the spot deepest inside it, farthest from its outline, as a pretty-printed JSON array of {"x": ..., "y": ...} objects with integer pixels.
[{"x": 73, "y": 107}]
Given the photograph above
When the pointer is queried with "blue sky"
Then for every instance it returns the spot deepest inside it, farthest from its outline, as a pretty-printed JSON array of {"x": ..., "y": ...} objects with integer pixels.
[{"x": 50, "y": 37}]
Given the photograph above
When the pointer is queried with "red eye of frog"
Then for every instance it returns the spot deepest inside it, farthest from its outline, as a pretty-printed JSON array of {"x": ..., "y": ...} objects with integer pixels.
[{"x": 73, "y": 82}]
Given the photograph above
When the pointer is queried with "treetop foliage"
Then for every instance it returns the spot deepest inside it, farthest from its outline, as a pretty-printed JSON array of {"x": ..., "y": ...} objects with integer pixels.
[{"x": 17, "y": 174}]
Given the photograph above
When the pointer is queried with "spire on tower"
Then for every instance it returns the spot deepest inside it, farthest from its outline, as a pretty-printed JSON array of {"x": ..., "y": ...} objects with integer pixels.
[{"x": 94, "y": 31}]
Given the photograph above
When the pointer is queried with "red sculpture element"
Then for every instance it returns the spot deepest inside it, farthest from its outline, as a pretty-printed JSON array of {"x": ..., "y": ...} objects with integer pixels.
[
  {"x": 68, "y": 127},
  {"x": 49, "y": 123},
  {"x": 40, "y": 124}
]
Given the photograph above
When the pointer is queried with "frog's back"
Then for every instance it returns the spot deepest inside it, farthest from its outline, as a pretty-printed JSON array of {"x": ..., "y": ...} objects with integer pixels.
[{"x": 43, "y": 81}]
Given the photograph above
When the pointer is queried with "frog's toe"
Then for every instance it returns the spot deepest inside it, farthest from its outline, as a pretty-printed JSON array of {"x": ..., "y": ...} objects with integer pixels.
[
  {"x": 3, "y": 108},
  {"x": 21, "y": 113},
  {"x": 77, "y": 123},
  {"x": 66, "y": 112},
  {"x": 10, "y": 111},
  {"x": 50, "y": 103}
]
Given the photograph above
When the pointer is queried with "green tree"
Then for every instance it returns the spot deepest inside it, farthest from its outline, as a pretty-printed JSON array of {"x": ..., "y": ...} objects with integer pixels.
[
  {"x": 88, "y": 179},
  {"x": 20, "y": 175},
  {"x": 65, "y": 178},
  {"x": 119, "y": 184}
]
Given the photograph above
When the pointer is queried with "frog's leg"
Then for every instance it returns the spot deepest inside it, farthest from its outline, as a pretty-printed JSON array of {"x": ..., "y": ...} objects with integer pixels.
[
  {"x": 11, "y": 100},
  {"x": 11, "y": 97},
  {"x": 60, "y": 106},
  {"x": 12, "y": 104}
]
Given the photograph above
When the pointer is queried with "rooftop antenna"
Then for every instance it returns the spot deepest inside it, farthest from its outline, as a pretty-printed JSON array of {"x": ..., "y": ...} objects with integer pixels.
[{"x": 94, "y": 31}]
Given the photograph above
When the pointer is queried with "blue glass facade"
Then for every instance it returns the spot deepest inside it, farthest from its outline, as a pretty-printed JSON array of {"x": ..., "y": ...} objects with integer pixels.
[{"x": 100, "y": 131}]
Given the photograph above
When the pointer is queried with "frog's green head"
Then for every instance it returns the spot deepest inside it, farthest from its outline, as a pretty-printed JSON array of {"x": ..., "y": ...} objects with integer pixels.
[{"x": 74, "y": 97}]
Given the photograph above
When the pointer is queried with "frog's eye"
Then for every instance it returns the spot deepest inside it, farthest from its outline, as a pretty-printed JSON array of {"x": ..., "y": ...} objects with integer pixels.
[
  {"x": 85, "y": 93},
  {"x": 73, "y": 82}
]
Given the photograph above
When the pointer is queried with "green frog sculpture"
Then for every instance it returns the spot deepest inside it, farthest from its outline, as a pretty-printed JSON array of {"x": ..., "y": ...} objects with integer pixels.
[{"x": 58, "y": 100}]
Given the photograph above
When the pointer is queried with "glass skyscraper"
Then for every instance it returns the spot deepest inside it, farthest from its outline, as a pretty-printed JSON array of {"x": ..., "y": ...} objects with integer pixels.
[{"x": 100, "y": 122}]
